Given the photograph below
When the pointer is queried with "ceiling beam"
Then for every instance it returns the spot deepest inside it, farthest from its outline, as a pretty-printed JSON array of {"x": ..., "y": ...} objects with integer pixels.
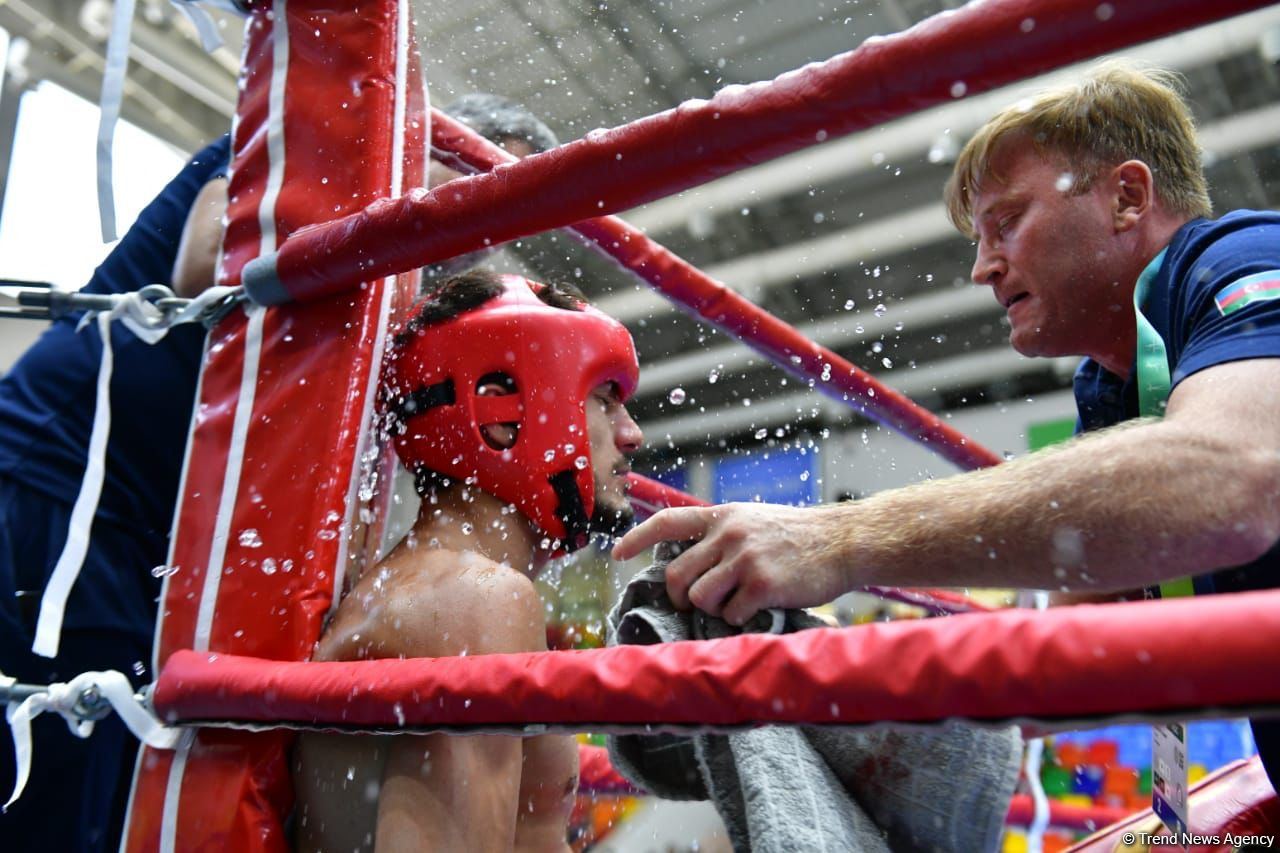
[
  {"x": 922, "y": 312},
  {"x": 964, "y": 371},
  {"x": 911, "y": 136},
  {"x": 912, "y": 229}
]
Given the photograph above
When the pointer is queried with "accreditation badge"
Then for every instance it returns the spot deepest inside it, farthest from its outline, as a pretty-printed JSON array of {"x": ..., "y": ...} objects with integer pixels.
[{"x": 1169, "y": 776}]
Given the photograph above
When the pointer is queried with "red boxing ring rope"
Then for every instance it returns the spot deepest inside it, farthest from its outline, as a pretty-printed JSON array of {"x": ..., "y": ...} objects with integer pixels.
[
  {"x": 648, "y": 496},
  {"x": 1063, "y": 815},
  {"x": 970, "y": 50},
  {"x": 712, "y": 302},
  {"x": 1176, "y": 658}
]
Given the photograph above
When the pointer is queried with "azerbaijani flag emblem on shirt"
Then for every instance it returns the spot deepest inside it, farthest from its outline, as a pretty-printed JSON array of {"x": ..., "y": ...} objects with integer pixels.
[{"x": 1259, "y": 287}]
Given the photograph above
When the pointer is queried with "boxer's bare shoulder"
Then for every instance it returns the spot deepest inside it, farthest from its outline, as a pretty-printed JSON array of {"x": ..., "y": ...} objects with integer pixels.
[
  {"x": 435, "y": 603},
  {"x": 430, "y": 603}
]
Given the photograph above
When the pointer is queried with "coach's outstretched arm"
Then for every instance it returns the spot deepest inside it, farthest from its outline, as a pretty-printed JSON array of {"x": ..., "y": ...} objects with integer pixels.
[{"x": 1136, "y": 504}]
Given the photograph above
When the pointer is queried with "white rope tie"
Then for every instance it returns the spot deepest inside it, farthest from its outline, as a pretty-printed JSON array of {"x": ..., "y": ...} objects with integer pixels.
[
  {"x": 109, "y": 102},
  {"x": 150, "y": 324},
  {"x": 210, "y": 38},
  {"x": 112, "y": 96},
  {"x": 65, "y": 700}
]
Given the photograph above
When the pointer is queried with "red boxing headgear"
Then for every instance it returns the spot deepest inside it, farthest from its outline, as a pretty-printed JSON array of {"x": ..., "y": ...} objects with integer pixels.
[{"x": 551, "y": 358}]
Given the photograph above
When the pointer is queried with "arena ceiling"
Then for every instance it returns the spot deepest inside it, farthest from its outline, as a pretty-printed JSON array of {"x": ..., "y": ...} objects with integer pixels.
[{"x": 847, "y": 240}]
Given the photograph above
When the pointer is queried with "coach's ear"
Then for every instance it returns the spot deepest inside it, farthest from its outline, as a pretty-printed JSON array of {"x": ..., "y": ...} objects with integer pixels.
[{"x": 1132, "y": 188}]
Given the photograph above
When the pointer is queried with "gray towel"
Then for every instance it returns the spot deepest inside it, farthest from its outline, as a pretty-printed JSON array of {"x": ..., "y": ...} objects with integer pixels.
[{"x": 786, "y": 788}]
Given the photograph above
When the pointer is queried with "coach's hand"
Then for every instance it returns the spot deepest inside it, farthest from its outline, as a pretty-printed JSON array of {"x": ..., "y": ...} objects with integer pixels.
[{"x": 747, "y": 557}]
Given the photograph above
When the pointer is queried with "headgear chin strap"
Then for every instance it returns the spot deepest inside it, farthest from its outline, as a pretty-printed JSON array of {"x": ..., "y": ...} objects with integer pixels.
[{"x": 551, "y": 359}]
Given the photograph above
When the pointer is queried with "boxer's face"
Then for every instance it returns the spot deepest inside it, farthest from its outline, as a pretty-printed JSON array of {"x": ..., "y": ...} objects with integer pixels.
[{"x": 614, "y": 437}]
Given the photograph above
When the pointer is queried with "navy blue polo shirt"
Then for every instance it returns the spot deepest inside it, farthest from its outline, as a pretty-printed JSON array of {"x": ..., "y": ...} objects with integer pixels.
[
  {"x": 1204, "y": 259},
  {"x": 47, "y": 398}
]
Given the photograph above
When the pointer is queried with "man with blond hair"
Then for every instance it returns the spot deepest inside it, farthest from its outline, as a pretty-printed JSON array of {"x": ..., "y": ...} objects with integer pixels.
[{"x": 1082, "y": 202}]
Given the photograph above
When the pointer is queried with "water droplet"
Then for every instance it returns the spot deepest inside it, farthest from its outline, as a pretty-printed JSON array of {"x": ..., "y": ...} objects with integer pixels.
[
  {"x": 762, "y": 432},
  {"x": 879, "y": 310},
  {"x": 887, "y": 362},
  {"x": 249, "y": 538},
  {"x": 877, "y": 347},
  {"x": 138, "y": 667},
  {"x": 677, "y": 396},
  {"x": 268, "y": 566},
  {"x": 351, "y": 773},
  {"x": 548, "y": 456},
  {"x": 581, "y": 463},
  {"x": 164, "y": 571},
  {"x": 467, "y": 527},
  {"x": 713, "y": 376}
]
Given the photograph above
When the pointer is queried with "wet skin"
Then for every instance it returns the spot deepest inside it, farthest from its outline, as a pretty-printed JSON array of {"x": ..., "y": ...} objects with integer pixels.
[
  {"x": 460, "y": 583},
  {"x": 1053, "y": 258}
]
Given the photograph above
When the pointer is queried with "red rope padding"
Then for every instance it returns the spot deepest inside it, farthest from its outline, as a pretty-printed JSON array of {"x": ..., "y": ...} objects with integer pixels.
[
  {"x": 937, "y": 602},
  {"x": 1175, "y": 657},
  {"x": 648, "y": 496},
  {"x": 1063, "y": 815},
  {"x": 711, "y": 301},
  {"x": 965, "y": 51},
  {"x": 1236, "y": 800},
  {"x": 597, "y": 775}
]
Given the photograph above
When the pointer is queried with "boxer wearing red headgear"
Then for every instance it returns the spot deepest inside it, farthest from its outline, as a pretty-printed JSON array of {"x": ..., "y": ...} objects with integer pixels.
[
  {"x": 548, "y": 360},
  {"x": 509, "y": 402}
]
